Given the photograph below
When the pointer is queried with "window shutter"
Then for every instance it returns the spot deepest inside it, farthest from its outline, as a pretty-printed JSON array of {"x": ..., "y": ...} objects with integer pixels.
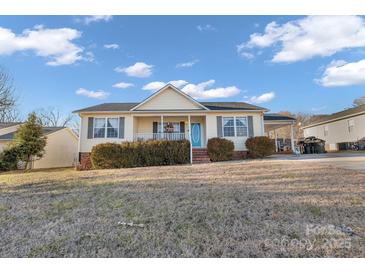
[
  {"x": 154, "y": 127},
  {"x": 121, "y": 127},
  {"x": 219, "y": 126},
  {"x": 250, "y": 126},
  {"x": 90, "y": 127},
  {"x": 182, "y": 127}
]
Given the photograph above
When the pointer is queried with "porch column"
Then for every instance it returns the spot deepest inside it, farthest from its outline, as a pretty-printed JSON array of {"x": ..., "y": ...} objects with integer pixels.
[
  {"x": 292, "y": 136},
  {"x": 162, "y": 128},
  {"x": 276, "y": 141},
  {"x": 191, "y": 146}
]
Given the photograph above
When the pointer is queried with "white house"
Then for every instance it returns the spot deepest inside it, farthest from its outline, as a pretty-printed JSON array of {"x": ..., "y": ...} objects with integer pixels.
[
  {"x": 61, "y": 148},
  {"x": 169, "y": 114},
  {"x": 340, "y": 130}
]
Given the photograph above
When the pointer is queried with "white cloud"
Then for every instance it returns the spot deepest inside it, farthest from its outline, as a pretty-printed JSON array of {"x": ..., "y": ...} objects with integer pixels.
[
  {"x": 89, "y": 56},
  {"x": 97, "y": 18},
  {"x": 309, "y": 37},
  {"x": 197, "y": 91},
  {"x": 153, "y": 86},
  {"x": 54, "y": 44},
  {"x": 99, "y": 94},
  {"x": 111, "y": 46},
  {"x": 340, "y": 73},
  {"x": 139, "y": 69},
  {"x": 263, "y": 98},
  {"x": 178, "y": 83},
  {"x": 187, "y": 64},
  {"x": 206, "y": 27},
  {"x": 247, "y": 55},
  {"x": 123, "y": 85},
  {"x": 202, "y": 90}
]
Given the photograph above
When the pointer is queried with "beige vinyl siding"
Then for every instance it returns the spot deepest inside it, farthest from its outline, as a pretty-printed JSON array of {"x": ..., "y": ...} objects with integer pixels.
[
  {"x": 338, "y": 131},
  {"x": 87, "y": 144},
  {"x": 143, "y": 123},
  {"x": 3, "y": 144},
  {"x": 169, "y": 99},
  {"x": 60, "y": 151},
  {"x": 239, "y": 142}
]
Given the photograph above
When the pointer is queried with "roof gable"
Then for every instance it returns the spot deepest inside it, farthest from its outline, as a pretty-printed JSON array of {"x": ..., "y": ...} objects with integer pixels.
[{"x": 169, "y": 98}]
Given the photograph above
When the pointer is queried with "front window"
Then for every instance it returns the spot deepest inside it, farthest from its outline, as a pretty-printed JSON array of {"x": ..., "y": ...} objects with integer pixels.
[
  {"x": 241, "y": 126},
  {"x": 106, "y": 127},
  {"x": 228, "y": 126},
  {"x": 169, "y": 127},
  {"x": 235, "y": 126},
  {"x": 112, "y": 128},
  {"x": 99, "y": 127}
]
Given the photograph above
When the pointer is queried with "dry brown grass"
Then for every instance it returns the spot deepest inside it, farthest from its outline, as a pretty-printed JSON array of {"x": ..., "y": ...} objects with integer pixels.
[{"x": 250, "y": 209}]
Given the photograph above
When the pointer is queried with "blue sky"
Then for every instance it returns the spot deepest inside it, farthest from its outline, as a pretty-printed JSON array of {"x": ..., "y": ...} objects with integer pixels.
[{"x": 300, "y": 64}]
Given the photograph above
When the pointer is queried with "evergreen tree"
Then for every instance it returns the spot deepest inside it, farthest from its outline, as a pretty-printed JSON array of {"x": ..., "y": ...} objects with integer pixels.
[{"x": 30, "y": 138}]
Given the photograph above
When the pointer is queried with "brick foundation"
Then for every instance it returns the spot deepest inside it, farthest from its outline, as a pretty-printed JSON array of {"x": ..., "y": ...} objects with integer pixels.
[
  {"x": 85, "y": 161},
  {"x": 239, "y": 155}
]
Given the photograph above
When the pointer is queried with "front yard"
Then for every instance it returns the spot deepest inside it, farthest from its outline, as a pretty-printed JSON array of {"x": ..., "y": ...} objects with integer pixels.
[{"x": 251, "y": 209}]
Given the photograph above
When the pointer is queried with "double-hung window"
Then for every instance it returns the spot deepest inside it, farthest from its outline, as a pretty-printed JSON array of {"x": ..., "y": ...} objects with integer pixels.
[
  {"x": 112, "y": 128},
  {"x": 99, "y": 127},
  {"x": 235, "y": 126},
  {"x": 169, "y": 127},
  {"x": 106, "y": 127},
  {"x": 228, "y": 127},
  {"x": 241, "y": 127}
]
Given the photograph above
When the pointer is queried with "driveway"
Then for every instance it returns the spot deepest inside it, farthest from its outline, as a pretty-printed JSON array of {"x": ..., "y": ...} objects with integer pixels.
[{"x": 348, "y": 160}]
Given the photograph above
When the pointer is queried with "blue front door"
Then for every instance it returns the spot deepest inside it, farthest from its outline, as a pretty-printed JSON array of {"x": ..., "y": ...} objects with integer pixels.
[{"x": 195, "y": 135}]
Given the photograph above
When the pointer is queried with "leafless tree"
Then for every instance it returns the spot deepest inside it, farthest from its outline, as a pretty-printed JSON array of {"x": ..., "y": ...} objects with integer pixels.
[
  {"x": 359, "y": 101},
  {"x": 7, "y": 99},
  {"x": 53, "y": 117}
]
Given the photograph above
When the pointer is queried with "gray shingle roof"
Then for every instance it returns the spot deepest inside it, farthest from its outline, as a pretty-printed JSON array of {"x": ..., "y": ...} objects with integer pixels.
[
  {"x": 46, "y": 131},
  {"x": 230, "y": 106},
  {"x": 276, "y": 117},
  {"x": 338, "y": 115},
  {"x": 209, "y": 105},
  {"x": 8, "y": 124},
  {"x": 109, "y": 107}
]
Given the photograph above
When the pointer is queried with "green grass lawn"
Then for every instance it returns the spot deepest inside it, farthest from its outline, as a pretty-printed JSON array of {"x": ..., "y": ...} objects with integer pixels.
[{"x": 236, "y": 209}]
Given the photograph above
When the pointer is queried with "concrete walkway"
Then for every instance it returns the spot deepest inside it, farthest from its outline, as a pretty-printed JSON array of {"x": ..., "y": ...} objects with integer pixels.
[{"x": 349, "y": 160}]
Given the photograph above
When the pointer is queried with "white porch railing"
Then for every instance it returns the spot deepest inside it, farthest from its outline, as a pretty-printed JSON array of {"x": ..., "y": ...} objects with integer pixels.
[{"x": 160, "y": 136}]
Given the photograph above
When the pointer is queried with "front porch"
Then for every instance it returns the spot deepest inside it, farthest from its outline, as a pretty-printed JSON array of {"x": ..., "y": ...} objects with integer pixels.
[{"x": 171, "y": 128}]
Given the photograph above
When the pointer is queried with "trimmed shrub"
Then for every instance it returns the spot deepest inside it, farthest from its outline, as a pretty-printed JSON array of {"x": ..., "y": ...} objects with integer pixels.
[
  {"x": 9, "y": 158},
  {"x": 137, "y": 154},
  {"x": 220, "y": 149},
  {"x": 106, "y": 155},
  {"x": 260, "y": 146}
]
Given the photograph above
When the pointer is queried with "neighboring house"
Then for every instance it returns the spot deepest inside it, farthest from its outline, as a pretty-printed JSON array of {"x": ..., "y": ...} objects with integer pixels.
[
  {"x": 340, "y": 130},
  {"x": 169, "y": 114},
  {"x": 61, "y": 148}
]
